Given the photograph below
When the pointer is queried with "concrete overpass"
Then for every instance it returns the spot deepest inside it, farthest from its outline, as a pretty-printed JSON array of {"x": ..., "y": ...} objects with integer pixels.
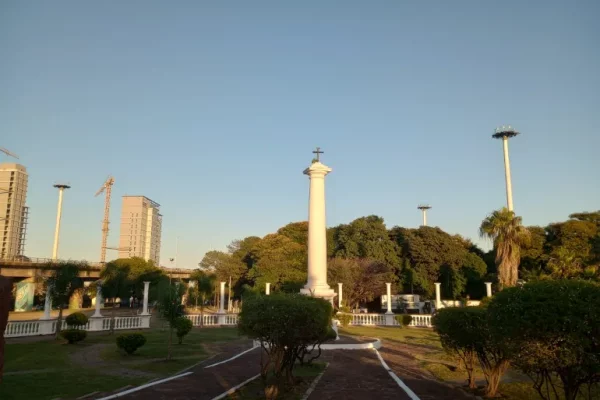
[{"x": 25, "y": 268}]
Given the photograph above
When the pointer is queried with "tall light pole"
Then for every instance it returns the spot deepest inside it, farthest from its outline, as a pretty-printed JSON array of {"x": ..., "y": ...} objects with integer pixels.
[
  {"x": 424, "y": 208},
  {"x": 505, "y": 132},
  {"x": 61, "y": 188}
]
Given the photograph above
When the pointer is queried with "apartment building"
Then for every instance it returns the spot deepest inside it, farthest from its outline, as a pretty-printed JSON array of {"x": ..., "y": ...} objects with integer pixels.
[
  {"x": 141, "y": 226},
  {"x": 13, "y": 212}
]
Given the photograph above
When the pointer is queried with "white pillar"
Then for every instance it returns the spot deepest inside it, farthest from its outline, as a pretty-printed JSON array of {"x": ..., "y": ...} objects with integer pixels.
[
  {"x": 222, "y": 303},
  {"x": 146, "y": 289},
  {"x": 339, "y": 295},
  {"x": 316, "y": 284},
  {"x": 509, "y": 198},
  {"x": 438, "y": 296},
  {"x": 57, "y": 229},
  {"x": 267, "y": 288},
  {"x": 97, "y": 313},
  {"x": 424, "y": 217},
  {"x": 47, "y": 305},
  {"x": 488, "y": 289},
  {"x": 389, "y": 298}
]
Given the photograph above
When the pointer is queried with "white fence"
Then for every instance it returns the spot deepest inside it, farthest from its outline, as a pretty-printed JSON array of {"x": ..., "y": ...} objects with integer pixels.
[
  {"x": 213, "y": 319},
  {"x": 418, "y": 320},
  {"x": 48, "y": 327}
]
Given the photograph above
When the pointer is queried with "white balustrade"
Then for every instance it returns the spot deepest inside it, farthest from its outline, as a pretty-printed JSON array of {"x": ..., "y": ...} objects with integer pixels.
[
  {"x": 421, "y": 321},
  {"x": 22, "y": 328},
  {"x": 368, "y": 319},
  {"x": 213, "y": 319}
]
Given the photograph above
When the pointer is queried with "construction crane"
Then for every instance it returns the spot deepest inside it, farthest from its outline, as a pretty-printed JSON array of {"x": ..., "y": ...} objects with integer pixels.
[
  {"x": 9, "y": 153},
  {"x": 107, "y": 188}
]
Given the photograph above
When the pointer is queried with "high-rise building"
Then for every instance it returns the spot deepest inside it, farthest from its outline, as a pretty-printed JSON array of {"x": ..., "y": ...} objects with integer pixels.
[
  {"x": 13, "y": 213},
  {"x": 141, "y": 226}
]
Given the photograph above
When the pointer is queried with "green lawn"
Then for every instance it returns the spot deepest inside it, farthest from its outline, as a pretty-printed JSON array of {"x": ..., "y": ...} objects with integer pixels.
[
  {"x": 306, "y": 374},
  {"x": 45, "y": 370},
  {"x": 414, "y": 336}
]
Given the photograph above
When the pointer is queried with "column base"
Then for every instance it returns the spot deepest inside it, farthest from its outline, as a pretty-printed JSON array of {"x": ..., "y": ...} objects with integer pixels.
[{"x": 322, "y": 292}]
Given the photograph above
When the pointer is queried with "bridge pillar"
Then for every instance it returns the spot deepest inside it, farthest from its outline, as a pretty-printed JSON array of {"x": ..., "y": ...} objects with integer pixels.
[{"x": 24, "y": 295}]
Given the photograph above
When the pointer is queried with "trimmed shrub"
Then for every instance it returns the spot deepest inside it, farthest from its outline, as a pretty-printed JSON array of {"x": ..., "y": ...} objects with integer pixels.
[
  {"x": 485, "y": 302},
  {"x": 73, "y": 335},
  {"x": 344, "y": 319},
  {"x": 286, "y": 325},
  {"x": 183, "y": 326},
  {"x": 455, "y": 325},
  {"x": 331, "y": 335},
  {"x": 404, "y": 319},
  {"x": 131, "y": 342},
  {"x": 467, "y": 328},
  {"x": 77, "y": 319},
  {"x": 551, "y": 330}
]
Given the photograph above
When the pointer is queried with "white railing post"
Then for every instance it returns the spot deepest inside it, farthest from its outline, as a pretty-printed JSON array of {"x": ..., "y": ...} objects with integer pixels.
[
  {"x": 488, "y": 289},
  {"x": 267, "y": 288},
  {"x": 438, "y": 296},
  {"x": 339, "y": 295}
]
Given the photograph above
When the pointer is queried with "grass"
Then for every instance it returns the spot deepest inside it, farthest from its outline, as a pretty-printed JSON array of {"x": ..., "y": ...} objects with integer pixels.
[
  {"x": 44, "y": 370},
  {"x": 306, "y": 373},
  {"x": 415, "y": 336}
]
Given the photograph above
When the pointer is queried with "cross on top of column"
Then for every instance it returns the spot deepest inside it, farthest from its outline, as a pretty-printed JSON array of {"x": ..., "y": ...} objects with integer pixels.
[{"x": 318, "y": 152}]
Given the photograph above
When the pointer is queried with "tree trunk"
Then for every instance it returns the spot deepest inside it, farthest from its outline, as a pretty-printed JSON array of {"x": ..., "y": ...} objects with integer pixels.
[
  {"x": 493, "y": 378},
  {"x": 112, "y": 318},
  {"x": 170, "y": 343},
  {"x": 59, "y": 321}
]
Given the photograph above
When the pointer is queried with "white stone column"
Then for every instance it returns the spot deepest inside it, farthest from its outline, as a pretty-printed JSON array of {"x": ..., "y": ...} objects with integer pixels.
[
  {"x": 438, "y": 296},
  {"x": 509, "y": 197},
  {"x": 222, "y": 302},
  {"x": 97, "y": 313},
  {"x": 339, "y": 295},
  {"x": 267, "y": 288},
  {"x": 145, "y": 304},
  {"x": 389, "y": 298},
  {"x": 316, "y": 284},
  {"x": 488, "y": 289},
  {"x": 47, "y": 305}
]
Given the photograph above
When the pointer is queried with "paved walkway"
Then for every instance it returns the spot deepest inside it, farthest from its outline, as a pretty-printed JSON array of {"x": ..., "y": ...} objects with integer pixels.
[
  {"x": 356, "y": 375},
  {"x": 204, "y": 383}
]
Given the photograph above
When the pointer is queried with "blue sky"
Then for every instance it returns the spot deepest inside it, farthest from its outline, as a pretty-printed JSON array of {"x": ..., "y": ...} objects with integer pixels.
[{"x": 212, "y": 109}]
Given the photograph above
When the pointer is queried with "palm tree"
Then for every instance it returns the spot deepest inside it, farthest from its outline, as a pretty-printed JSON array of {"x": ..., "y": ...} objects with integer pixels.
[
  {"x": 63, "y": 283},
  {"x": 508, "y": 234},
  {"x": 205, "y": 287}
]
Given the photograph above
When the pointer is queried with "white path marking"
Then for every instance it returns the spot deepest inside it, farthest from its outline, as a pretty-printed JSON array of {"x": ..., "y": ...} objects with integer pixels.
[
  {"x": 409, "y": 392},
  {"x": 232, "y": 358},
  {"x": 313, "y": 385},
  {"x": 114, "y": 396},
  {"x": 235, "y": 388}
]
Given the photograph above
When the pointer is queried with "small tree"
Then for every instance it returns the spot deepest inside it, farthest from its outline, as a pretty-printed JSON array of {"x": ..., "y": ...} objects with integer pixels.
[
  {"x": 205, "y": 284},
  {"x": 286, "y": 326},
  {"x": 62, "y": 285},
  {"x": 183, "y": 327},
  {"x": 455, "y": 327},
  {"x": 115, "y": 283},
  {"x": 551, "y": 329},
  {"x": 171, "y": 309}
]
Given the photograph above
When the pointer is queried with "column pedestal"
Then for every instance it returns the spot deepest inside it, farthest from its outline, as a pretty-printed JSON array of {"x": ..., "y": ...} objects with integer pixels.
[{"x": 438, "y": 296}]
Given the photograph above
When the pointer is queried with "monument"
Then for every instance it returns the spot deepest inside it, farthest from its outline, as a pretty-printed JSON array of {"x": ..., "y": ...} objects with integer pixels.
[{"x": 316, "y": 284}]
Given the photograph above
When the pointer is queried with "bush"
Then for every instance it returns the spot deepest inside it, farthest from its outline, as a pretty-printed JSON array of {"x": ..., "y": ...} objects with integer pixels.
[
  {"x": 183, "y": 326},
  {"x": 404, "y": 319},
  {"x": 131, "y": 342},
  {"x": 344, "y": 319},
  {"x": 73, "y": 335},
  {"x": 77, "y": 319},
  {"x": 331, "y": 335},
  {"x": 551, "y": 330},
  {"x": 286, "y": 325},
  {"x": 485, "y": 302}
]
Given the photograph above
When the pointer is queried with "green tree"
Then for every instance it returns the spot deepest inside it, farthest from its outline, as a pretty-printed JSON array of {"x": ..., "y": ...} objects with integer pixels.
[
  {"x": 509, "y": 236},
  {"x": 115, "y": 283},
  {"x": 363, "y": 280},
  {"x": 279, "y": 260},
  {"x": 297, "y": 231},
  {"x": 533, "y": 254},
  {"x": 62, "y": 284},
  {"x": 563, "y": 264},
  {"x": 224, "y": 266},
  {"x": 366, "y": 238}
]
